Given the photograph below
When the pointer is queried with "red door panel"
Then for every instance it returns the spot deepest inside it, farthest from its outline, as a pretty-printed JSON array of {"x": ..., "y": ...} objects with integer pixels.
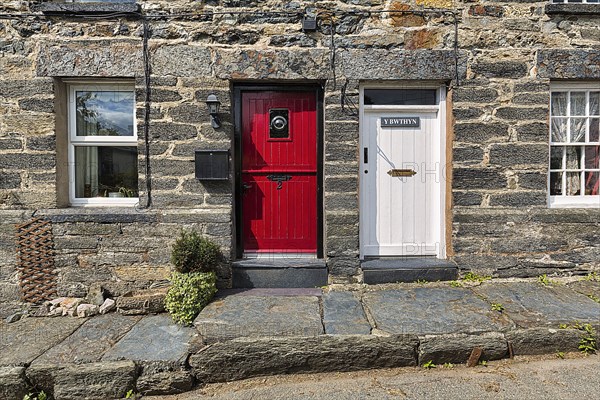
[{"x": 279, "y": 172}]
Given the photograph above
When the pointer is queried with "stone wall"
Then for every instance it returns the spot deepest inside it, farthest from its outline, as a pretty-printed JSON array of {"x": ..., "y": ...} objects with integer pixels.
[{"x": 508, "y": 52}]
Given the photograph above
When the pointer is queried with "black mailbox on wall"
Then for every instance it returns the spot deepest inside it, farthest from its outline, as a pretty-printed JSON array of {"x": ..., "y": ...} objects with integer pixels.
[{"x": 212, "y": 165}]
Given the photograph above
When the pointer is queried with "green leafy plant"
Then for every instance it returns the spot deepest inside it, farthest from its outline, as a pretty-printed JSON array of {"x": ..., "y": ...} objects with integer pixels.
[
  {"x": 560, "y": 354},
  {"x": 189, "y": 294},
  {"x": 588, "y": 343},
  {"x": 448, "y": 365},
  {"x": 429, "y": 364},
  {"x": 595, "y": 298},
  {"x": 544, "y": 280},
  {"x": 422, "y": 281},
  {"x": 592, "y": 276},
  {"x": 473, "y": 277},
  {"x": 483, "y": 363},
  {"x": 497, "y": 307},
  {"x": 194, "y": 253},
  {"x": 32, "y": 396},
  {"x": 455, "y": 284}
]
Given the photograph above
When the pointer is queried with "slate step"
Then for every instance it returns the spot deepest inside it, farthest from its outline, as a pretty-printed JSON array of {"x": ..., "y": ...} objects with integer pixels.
[
  {"x": 408, "y": 269},
  {"x": 279, "y": 273}
]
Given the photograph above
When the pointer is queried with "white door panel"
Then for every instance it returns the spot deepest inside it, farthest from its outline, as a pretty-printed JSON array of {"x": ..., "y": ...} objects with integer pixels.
[{"x": 401, "y": 216}]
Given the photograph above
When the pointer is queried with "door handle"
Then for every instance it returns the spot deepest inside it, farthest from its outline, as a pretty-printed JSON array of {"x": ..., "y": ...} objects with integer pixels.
[
  {"x": 401, "y": 172},
  {"x": 246, "y": 186}
]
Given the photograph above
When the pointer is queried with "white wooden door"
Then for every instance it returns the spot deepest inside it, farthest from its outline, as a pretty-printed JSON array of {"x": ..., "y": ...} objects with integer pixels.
[{"x": 401, "y": 180}]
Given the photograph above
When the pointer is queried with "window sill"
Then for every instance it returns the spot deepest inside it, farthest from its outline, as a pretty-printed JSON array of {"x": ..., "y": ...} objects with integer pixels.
[
  {"x": 574, "y": 202},
  {"x": 572, "y": 9},
  {"x": 87, "y": 8},
  {"x": 105, "y": 202}
]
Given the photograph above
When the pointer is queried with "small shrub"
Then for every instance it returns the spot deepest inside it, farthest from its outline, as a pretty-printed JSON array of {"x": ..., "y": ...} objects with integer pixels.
[
  {"x": 189, "y": 294},
  {"x": 194, "y": 253}
]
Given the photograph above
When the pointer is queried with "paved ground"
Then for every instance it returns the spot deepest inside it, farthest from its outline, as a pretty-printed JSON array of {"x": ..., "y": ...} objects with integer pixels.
[
  {"x": 524, "y": 378},
  {"x": 259, "y": 332}
]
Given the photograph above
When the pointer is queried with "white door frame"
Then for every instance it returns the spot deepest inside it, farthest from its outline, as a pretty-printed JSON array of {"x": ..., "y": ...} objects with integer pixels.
[{"x": 441, "y": 150}]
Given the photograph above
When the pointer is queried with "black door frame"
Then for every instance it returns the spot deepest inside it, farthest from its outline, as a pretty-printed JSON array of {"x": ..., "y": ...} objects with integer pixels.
[{"x": 238, "y": 89}]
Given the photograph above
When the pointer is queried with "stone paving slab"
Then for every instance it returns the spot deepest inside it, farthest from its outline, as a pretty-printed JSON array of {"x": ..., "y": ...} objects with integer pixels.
[
  {"x": 343, "y": 314},
  {"x": 243, "y": 316},
  {"x": 424, "y": 311},
  {"x": 154, "y": 338},
  {"x": 23, "y": 341},
  {"x": 259, "y": 292},
  {"x": 534, "y": 305},
  {"x": 89, "y": 342},
  {"x": 588, "y": 288}
]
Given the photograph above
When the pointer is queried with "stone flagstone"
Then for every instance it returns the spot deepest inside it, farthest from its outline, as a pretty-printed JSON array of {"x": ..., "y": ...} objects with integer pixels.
[
  {"x": 244, "y": 316},
  {"x": 533, "y": 305},
  {"x": 343, "y": 315},
  {"x": 23, "y": 341},
  {"x": 90, "y": 341},
  {"x": 424, "y": 311},
  {"x": 154, "y": 338}
]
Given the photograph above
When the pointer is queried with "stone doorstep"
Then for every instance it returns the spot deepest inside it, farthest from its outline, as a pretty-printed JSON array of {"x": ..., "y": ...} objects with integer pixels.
[
  {"x": 279, "y": 273},
  {"x": 408, "y": 269}
]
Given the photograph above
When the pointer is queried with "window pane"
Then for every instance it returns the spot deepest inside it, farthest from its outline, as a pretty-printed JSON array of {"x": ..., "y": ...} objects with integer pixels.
[
  {"x": 401, "y": 97},
  {"x": 592, "y": 183},
  {"x": 577, "y": 103},
  {"x": 106, "y": 171},
  {"x": 559, "y": 130},
  {"x": 592, "y": 156},
  {"x": 594, "y": 103},
  {"x": 578, "y": 130},
  {"x": 559, "y": 103},
  {"x": 573, "y": 157},
  {"x": 556, "y": 156},
  {"x": 556, "y": 183},
  {"x": 105, "y": 113},
  {"x": 573, "y": 183},
  {"x": 594, "y": 124}
]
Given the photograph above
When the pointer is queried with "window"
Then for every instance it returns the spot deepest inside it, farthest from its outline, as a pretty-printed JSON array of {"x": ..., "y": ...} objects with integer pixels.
[
  {"x": 576, "y": 1},
  {"x": 102, "y": 145},
  {"x": 574, "y": 176}
]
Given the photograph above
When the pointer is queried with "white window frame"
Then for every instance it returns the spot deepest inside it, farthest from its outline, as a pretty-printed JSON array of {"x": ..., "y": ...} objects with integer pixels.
[
  {"x": 82, "y": 141},
  {"x": 581, "y": 200},
  {"x": 574, "y": 2}
]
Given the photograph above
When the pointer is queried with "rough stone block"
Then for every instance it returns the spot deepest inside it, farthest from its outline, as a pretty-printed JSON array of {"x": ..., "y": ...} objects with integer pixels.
[
  {"x": 568, "y": 63},
  {"x": 474, "y": 95},
  {"x": 119, "y": 58},
  {"x": 244, "y": 358},
  {"x": 468, "y": 154},
  {"x": 519, "y": 154},
  {"x": 164, "y": 383},
  {"x": 10, "y": 180},
  {"x": 501, "y": 69},
  {"x": 534, "y": 132},
  {"x": 149, "y": 301},
  {"x": 522, "y": 113},
  {"x": 343, "y": 314},
  {"x": 457, "y": 348},
  {"x": 95, "y": 381},
  {"x": 519, "y": 199},
  {"x": 478, "y": 132},
  {"x": 169, "y": 131},
  {"x": 466, "y": 199},
  {"x": 13, "y": 384},
  {"x": 543, "y": 340},
  {"x": 478, "y": 178}
]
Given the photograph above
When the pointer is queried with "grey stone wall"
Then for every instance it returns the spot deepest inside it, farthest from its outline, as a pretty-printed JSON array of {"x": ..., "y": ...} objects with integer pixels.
[{"x": 507, "y": 54}]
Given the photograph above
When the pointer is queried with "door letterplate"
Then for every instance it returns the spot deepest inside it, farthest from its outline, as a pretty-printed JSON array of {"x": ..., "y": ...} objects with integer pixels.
[
  {"x": 279, "y": 179},
  {"x": 401, "y": 172}
]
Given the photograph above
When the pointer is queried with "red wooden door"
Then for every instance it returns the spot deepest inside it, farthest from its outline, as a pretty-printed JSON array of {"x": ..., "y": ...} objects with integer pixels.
[{"x": 279, "y": 172}]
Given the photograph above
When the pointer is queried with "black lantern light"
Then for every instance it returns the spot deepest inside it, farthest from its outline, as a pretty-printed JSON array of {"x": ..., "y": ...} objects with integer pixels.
[{"x": 213, "y": 104}]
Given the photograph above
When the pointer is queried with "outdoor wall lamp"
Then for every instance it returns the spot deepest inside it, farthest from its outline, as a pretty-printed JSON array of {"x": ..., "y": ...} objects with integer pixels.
[{"x": 213, "y": 104}]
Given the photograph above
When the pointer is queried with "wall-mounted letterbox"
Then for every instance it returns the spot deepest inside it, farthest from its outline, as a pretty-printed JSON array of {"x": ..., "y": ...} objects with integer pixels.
[{"x": 212, "y": 165}]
